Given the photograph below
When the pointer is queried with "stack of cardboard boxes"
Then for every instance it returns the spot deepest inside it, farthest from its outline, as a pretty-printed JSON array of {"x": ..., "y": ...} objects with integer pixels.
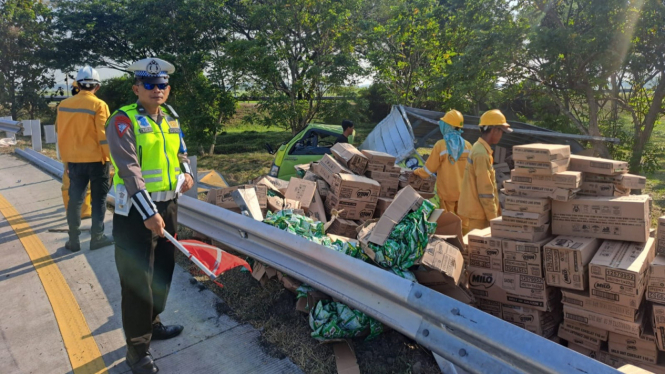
[{"x": 571, "y": 234}]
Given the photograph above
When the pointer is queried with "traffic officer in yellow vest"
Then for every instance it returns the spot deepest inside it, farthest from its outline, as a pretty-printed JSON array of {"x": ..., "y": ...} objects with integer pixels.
[
  {"x": 479, "y": 199},
  {"x": 448, "y": 160},
  {"x": 150, "y": 159}
]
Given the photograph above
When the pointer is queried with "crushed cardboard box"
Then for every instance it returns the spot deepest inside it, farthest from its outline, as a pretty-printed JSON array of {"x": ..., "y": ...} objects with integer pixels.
[
  {"x": 541, "y": 152},
  {"x": 301, "y": 190},
  {"x": 597, "y": 165},
  {"x": 619, "y": 218},
  {"x": 342, "y": 227},
  {"x": 439, "y": 282},
  {"x": 246, "y": 200},
  {"x": 222, "y": 197},
  {"x": 567, "y": 259},
  {"x": 618, "y": 271},
  {"x": 382, "y": 205},
  {"x": 316, "y": 209},
  {"x": 442, "y": 256},
  {"x": 350, "y": 157},
  {"x": 345, "y": 359},
  {"x": 405, "y": 201},
  {"x": 272, "y": 183}
]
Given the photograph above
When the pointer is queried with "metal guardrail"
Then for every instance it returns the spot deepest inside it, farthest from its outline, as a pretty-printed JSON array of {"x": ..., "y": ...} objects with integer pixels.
[
  {"x": 8, "y": 125},
  {"x": 468, "y": 337}
]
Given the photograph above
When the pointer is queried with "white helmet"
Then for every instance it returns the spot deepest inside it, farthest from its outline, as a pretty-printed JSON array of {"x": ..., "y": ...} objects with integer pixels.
[{"x": 88, "y": 77}]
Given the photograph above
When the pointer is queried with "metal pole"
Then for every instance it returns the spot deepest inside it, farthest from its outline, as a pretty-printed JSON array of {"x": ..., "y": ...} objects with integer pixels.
[{"x": 36, "y": 135}]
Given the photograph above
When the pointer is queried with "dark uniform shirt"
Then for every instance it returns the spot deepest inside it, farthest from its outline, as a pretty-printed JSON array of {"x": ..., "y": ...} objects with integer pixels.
[{"x": 342, "y": 139}]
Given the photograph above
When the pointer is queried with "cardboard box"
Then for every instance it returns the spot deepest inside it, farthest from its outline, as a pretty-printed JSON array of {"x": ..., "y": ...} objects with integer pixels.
[
  {"x": 349, "y": 209},
  {"x": 484, "y": 251},
  {"x": 538, "y": 322},
  {"x": 624, "y": 218},
  {"x": 246, "y": 200},
  {"x": 272, "y": 183},
  {"x": 506, "y": 230},
  {"x": 582, "y": 350},
  {"x": 490, "y": 307},
  {"x": 408, "y": 177},
  {"x": 355, "y": 187},
  {"x": 658, "y": 323},
  {"x": 597, "y": 165},
  {"x": 578, "y": 338},
  {"x": 317, "y": 209},
  {"x": 583, "y": 301},
  {"x": 382, "y": 205},
  {"x": 441, "y": 283},
  {"x": 406, "y": 200},
  {"x": 350, "y": 157},
  {"x": 632, "y": 348},
  {"x": 602, "y": 189},
  {"x": 526, "y": 190},
  {"x": 525, "y": 218},
  {"x": 327, "y": 167},
  {"x": 592, "y": 332},
  {"x": 527, "y": 204},
  {"x": 523, "y": 257},
  {"x": 442, "y": 256},
  {"x": 301, "y": 190},
  {"x": 379, "y": 158},
  {"x": 292, "y": 204},
  {"x": 565, "y": 179},
  {"x": 375, "y": 167},
  {"x": 323, "y": 188},
  {"x": 567, "y": 259},
  {"x": 626, "y": 181},
  {"x": 345, "y": 359},
  {"x": 389, "y": 182},
  {"x": 618, "y": 271},
  {"x": 541, "y": 152},
  {"x": 656, "y": 281},
  {"x": 513, "y": 289},
  {"x": 540, "y": 168},
  {"x": 222, "y": 196},
  {"x": 660, "y": 236},
  {"x": 603, "y": 322},
  {"x": 450, "y": 224},
  {"x": 393, "y": 169},
  {"x": 305, "y": 304}
]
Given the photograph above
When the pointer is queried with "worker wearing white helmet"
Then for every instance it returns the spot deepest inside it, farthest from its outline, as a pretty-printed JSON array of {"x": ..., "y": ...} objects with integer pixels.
[
  {"x": 84, "y": 149},
  {"x": 150, "y": 159}
]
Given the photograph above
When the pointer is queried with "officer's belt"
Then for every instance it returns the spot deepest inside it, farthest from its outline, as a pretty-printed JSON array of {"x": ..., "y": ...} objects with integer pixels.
[{"x": 163, "y": 195}]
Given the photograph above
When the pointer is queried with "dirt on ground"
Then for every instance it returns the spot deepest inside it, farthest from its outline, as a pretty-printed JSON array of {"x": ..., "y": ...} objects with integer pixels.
[{"x": 285, "y": 332}]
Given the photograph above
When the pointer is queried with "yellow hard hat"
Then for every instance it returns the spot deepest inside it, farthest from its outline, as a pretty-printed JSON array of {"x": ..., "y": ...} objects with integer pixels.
[
  {"x": 494, "y": 117},
  {"x": 454, "y": 118}
]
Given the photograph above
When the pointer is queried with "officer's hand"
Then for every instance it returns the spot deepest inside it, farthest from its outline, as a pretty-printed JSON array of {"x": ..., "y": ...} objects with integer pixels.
[
  {"x": 155, "y": 224},
  {"x": 189, "y": 182}
]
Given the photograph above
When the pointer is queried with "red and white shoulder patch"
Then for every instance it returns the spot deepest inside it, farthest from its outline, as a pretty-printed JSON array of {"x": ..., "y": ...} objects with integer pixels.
[{"x": 122, "y": 124}]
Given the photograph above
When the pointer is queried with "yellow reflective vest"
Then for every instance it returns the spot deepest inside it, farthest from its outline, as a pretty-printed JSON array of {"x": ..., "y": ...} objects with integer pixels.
[
  {"x": 157, "y": 147},
  {"x": 479, "y": 198},
  {"x": 448, "y": 175}
]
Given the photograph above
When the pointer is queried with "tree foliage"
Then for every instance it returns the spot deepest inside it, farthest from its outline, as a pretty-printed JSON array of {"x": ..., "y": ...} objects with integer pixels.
[{"x": 26, "y": 40}]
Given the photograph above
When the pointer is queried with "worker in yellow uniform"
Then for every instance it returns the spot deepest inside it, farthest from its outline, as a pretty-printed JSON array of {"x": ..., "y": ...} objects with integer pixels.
[
  {"x": 86, "y": 210},
  {"x": 448, "y": 160},
  {"x": 152, "y": 169},
  {"x": 479, "y": 200},
  {"x": 84, "y": 148}
]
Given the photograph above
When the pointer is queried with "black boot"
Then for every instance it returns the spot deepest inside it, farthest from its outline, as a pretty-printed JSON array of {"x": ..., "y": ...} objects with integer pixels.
[
  {"x": 100, "y": 241},
  {"x": 161, "y": 332},
  {"x": 141, "y": 363},
  {"x": 73, "y": 244}
]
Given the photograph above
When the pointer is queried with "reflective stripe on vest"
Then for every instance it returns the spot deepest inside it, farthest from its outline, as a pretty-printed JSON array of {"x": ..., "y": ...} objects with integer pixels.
[{"x": 157, "y": 149}]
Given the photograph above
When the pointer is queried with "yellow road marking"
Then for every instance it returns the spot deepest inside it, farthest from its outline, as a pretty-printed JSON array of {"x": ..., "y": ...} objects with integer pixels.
[{"x": 83, "y": 353}]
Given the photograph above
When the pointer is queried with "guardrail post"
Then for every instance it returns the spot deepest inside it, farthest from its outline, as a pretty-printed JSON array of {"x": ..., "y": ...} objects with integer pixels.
[
  {"x": 194, "y": 191},
  {"x": 36, "y": 135},
  {"x": 27, "y": 127},
  {"x": 49, "y": 131}
]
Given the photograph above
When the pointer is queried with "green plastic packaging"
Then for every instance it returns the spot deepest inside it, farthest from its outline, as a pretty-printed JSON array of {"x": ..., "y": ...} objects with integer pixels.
[{"x": 333, "y": 320}]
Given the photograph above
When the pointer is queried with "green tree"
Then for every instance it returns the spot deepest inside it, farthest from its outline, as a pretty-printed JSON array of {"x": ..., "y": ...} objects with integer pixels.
[
  {"x": 406, "y": 47},
  {"x": 26, "y": 41},
  {"x": 291, "y": 53}
]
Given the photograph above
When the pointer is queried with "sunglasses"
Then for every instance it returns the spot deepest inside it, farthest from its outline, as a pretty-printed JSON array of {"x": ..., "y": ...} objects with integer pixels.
[{"x": 151, "y": 86}]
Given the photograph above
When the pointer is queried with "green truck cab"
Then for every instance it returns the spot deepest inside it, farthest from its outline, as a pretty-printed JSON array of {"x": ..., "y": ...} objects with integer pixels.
[{"x": 308, "y": 145}]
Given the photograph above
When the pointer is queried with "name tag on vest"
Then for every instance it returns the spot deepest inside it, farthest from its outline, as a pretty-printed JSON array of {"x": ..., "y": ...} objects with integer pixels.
[{"x": 144, "y": 125}]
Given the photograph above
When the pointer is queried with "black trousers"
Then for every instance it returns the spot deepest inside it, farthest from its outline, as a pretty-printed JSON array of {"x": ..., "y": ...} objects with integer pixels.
[
  {"x": 79, "y": 175},
  {"x": 145, "y": 264}
]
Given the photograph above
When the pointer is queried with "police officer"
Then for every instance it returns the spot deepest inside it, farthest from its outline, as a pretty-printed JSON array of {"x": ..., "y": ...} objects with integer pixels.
[
  {"x": 479, "y": 198},
  {"x": 448, "y": 160},
  {"x": 150, "y": 159}
]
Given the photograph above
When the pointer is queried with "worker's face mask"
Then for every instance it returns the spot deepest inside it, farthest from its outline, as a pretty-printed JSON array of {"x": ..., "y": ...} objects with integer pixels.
[{"x": 151, "y": 86}]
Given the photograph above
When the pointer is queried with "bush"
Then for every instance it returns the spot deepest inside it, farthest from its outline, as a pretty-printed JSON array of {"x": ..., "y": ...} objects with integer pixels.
[{"x": 117, "y": 92}]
